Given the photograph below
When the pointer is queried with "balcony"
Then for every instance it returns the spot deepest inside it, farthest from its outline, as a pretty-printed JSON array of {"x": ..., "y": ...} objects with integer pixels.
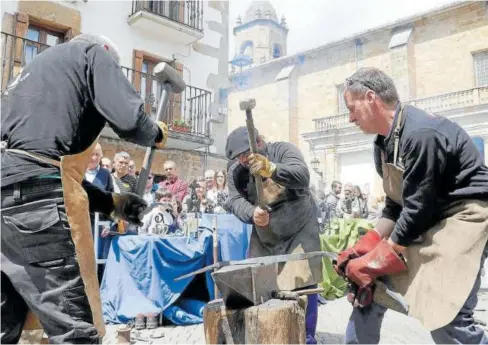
[
  {"x": 187, "y": 116},
  {"x": 468, "y": 108},
  {"x": 438, "y": 104},
  {"x": 179, "y": 22}
]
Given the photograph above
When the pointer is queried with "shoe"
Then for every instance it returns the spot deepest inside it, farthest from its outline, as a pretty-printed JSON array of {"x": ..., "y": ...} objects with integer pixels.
[
  {"x": 140, "y": 322},
  {"x": 152, "y": 321}
]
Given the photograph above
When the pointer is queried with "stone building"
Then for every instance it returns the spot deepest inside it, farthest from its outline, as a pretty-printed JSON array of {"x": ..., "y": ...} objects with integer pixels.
[
  {"x": 438, "y": 60},
  {"x": 192, "y": 36}
]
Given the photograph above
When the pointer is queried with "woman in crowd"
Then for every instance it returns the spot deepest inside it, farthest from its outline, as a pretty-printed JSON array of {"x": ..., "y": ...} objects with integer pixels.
[
  {"x": 363, "y": 203},
  {"x": 219, "y": 193}
]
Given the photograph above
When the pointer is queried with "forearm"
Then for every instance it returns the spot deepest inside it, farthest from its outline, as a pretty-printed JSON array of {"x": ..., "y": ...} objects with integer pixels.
[
  {"x": 294, "y": 176},
  {"x": 385, "y": 227},
  {"x": 99, "y": 200},
  {"x": 241, "y": 208}
]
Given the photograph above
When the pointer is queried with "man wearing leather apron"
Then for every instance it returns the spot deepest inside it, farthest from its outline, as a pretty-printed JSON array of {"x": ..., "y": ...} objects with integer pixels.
[
  {"x": 52, "y": 115},
  {"x": 291, "y": 226},
  {"x": 431, "y": 240}
]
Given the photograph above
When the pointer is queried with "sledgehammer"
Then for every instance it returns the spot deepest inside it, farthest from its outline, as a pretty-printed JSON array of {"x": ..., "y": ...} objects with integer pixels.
[
  {"x": 248, "y": 105},
  {"x": 170, "y": 82}
]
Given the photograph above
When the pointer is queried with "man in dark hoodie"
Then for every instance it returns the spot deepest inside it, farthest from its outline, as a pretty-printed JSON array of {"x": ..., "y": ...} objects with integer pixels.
[{"x": 291, "y": 225}]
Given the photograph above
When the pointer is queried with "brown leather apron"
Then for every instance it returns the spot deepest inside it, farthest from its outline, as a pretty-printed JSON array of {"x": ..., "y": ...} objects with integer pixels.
[
  {"x": 442, "y": 269},
  {"x": 292, "y": 275},
  {"x": 73, "y": 169}
]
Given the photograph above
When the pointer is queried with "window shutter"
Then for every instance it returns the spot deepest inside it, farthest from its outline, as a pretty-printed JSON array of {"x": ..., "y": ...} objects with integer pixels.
[{"x": 137, "y": 65}]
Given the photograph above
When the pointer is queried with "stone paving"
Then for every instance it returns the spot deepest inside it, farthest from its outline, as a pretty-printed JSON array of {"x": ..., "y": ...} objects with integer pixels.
[{"x": 396, "y": 329}]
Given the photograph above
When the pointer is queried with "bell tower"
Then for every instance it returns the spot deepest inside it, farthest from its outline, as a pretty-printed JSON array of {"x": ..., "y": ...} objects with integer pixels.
[{"x": 259, "y": 35}]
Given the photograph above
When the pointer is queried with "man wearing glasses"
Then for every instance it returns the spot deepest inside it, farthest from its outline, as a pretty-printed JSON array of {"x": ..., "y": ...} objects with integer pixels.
[
  {"x": 291, "y": 224},
  {"x": 431, "y": 240}
]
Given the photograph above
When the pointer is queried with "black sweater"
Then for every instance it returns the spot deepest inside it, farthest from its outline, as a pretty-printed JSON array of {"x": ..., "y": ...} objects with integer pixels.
[{"x": 441, "y": 165}]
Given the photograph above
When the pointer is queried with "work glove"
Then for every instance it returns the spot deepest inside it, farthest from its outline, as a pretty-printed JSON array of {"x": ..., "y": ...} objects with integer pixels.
[
  {"x": 360, "y": 297},
  {"x": 261, "y": 165},
  {"x": 365, "y": 244},
  {"x": 128, "y": 207},
  {"x": 381, "y": 261},
  {"x": 164, "y": 129}
]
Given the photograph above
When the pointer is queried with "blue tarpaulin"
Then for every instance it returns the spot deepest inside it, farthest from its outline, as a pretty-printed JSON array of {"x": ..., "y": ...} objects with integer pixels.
[{"x": 140, "y": 270}]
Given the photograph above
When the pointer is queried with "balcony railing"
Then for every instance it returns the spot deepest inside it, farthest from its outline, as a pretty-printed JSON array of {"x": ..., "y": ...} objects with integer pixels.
[
  {"x": 189, "y": 13},
  {"x": 449, "y": 101},
  {"x": 16, "y": 53},
  {"x": 188, "y": 112}
]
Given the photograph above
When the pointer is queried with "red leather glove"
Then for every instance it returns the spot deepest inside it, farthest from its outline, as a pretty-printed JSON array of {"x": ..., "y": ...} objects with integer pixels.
[
  {"x": 381, "y": 261},
  {"x": 365, "y": 244},
  {"x": 360, "y": 297}
]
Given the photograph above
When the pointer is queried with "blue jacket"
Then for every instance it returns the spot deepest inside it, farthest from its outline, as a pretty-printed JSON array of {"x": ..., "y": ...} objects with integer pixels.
[{"x": 104, "y": 180}]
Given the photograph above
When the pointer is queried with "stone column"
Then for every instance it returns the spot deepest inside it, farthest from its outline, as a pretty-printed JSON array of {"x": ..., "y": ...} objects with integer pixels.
[{"x": 332, "y": 169}]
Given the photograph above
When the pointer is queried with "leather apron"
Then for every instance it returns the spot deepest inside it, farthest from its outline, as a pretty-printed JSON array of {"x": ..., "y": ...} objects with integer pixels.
[
  {"x": 292, "y": 275},
  {"x": 73, "y": 168},
  {"x": 443, "y": 267}
]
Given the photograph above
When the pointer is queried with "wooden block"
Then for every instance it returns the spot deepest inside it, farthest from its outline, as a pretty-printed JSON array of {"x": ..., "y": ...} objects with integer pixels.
[
  {"x": 274, "y": 322},
  {"x": 243, "y": 286}
]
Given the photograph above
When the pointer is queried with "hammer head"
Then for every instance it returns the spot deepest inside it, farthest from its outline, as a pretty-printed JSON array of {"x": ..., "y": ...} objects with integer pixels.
[
  {"x": 247, "y": 104},
  {"x": 166, "y": 74}
]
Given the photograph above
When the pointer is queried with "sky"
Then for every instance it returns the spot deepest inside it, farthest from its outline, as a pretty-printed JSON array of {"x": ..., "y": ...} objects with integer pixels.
[{"x": 313, "y": 23}]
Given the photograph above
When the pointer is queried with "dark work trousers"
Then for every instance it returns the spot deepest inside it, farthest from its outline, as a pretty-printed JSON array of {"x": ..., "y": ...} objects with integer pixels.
[
  {"x": 39, "y": 267},
  {"x": 365, "y": 323}
]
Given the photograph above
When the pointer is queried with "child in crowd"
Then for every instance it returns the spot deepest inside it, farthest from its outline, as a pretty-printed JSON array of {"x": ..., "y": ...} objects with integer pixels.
[{"x": 164, "y": 218}]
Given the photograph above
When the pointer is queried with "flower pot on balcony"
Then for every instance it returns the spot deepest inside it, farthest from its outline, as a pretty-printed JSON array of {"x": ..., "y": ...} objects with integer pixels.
[{"x": 180, "y": 129}]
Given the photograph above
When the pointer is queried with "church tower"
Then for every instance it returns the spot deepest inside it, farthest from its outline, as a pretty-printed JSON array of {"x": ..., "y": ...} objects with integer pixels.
[{"x": 259, "y": 36}]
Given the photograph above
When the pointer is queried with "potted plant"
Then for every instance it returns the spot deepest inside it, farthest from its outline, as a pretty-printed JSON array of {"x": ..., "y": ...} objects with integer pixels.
[{"x": 180, "y": 126}]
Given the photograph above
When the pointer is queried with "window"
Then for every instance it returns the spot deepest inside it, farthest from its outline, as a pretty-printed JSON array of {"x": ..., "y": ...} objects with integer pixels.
[
  {"x": 341, "y": 104},
  {"x": 39, "y": 39},
  {"x": 146, "y": 84},
  {"x": 481, "y": 68},
  {"x": 276, "y": 51}
]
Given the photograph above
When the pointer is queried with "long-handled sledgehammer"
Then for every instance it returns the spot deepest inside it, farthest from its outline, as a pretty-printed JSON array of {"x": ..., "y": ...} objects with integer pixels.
[
  {"x": 248, "y": 105},
  {"x": 170, "y": 82}
]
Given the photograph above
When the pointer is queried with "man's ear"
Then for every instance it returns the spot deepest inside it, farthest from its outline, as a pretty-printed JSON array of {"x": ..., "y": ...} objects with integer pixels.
[
  {"x": 106, "y": 47},
  {"x": 370, "y": 96}
]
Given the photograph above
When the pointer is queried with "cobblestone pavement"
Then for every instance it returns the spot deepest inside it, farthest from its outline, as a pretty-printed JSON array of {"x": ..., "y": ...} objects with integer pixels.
[{"x": 396, "y": 329}]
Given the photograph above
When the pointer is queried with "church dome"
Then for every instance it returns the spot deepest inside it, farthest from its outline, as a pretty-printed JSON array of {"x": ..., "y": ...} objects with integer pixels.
[{"x": 260, "y": 10}]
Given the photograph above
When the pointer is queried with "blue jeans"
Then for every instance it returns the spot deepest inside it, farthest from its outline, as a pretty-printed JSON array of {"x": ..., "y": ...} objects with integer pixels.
[
  {"x": 365, "y": 324},
  {"x": 311, "y": 316}
]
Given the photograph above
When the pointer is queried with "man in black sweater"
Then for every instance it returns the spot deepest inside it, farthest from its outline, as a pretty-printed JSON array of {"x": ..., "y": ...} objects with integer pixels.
[
  {"x": 51, "y": 117},
  {"x": 291, "y": 225},
  {"x": 431, "y": 239}
]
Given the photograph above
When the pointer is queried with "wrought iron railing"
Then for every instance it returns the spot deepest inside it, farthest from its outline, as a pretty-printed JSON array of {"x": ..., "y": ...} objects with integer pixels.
[
  {"x": 439, "y": 103},
  {"x": 189, "y": 13},
  {"x": 188, "y": 112},
  {"x": 16, "y": 53}
]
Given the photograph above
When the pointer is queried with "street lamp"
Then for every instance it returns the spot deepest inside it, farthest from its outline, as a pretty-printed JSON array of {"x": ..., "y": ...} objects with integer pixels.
[{"x": 315, "y": 166}]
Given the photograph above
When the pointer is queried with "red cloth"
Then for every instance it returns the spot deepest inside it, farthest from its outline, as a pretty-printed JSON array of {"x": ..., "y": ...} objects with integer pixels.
[{"x": 178, "y": 188}]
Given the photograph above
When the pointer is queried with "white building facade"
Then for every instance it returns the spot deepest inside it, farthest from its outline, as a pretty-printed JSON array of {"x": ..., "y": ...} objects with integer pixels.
[{"x": 191, "y": 36}]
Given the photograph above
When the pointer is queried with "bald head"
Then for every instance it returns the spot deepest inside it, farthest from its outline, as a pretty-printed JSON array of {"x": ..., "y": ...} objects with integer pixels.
[
  {"x": 170, "y": 170},
  {"x": 104, "y": 41},
  {"x": 96, "y": 156}
]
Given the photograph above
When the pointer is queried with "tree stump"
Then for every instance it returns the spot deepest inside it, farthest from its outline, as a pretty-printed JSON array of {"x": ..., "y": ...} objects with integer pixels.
[{"x": 274, "y": 322}]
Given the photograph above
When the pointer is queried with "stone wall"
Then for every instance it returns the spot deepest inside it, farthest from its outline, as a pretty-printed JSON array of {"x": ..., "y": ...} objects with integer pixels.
[
  {"x": 190, "y": 164},
  {"x": 435, "y": 59}
]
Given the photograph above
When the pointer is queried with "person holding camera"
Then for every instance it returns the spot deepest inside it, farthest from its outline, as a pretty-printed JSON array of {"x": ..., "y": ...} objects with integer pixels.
[{"x": 162, "y": 219}]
